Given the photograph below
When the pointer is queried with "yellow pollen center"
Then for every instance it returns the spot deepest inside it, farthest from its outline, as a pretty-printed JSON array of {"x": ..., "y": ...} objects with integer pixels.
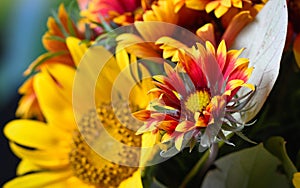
[
  {"x": 197, "y": 101},
  {"x": 89, "y": 166}
]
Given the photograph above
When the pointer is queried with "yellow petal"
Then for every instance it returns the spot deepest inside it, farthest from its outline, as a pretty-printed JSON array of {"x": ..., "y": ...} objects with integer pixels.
[
  {"x": 296, "y": 180},
  {"x": 220, "y": 11},
  {"x": 222, "y": 49},
  {"x": 211, "y": 6},
  {"x": 139, "y": 93},
  {"x": 55, "y": 103},
  {"x": 94, "y": 77},
  {"x": 133, "y": 181},
  {"x": 196, "y": 4},
  {"x": 51, "y": 160},
  {"x": 77, "y": 49},
  {"x": 171, "y": 47},
  {"x": 296, "y": 49},
  {"x": 238, "y": 3},
  {"x": 122, "y": 57},
  {"x": 39, "y": 179},
  {"x": 64, "y": 76},
  {"x": 164, "y": 10},
  {"x": 226, "y": 3},
  {"x": 210, "y": 48},
  {"x": 178, "y": 5},
  {"x": 26, "y": 166},
  {"x": 35, "y": 134},
  {"x": 70, "y": 182}
]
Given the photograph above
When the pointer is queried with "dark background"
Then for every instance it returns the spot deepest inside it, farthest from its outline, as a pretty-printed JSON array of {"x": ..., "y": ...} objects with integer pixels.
[{"x": 22, "y": 22}]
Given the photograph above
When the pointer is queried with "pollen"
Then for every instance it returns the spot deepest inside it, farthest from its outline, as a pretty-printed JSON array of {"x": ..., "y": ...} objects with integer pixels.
[
  {"x": 88, "y": 165},
  {"x": 197, "y": 101}
]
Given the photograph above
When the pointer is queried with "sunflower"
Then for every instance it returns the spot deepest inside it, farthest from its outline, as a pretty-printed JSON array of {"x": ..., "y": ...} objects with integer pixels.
[
  {"x": 196, "y": 102},
  {"x": 53, "y": 152}
]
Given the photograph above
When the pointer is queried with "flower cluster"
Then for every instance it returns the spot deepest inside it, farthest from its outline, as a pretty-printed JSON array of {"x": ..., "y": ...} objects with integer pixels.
[{"x": 188, "y": 85}]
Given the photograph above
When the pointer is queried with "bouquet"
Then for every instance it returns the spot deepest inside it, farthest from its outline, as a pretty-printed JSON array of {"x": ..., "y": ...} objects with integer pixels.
[{"x": 162, "y": 93}]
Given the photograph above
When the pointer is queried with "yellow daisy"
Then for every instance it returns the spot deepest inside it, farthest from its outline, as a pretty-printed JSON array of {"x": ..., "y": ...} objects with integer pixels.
[{"x": 53, "y": 153}]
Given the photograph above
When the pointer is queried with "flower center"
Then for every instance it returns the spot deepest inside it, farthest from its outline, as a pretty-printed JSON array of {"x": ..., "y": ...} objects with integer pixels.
[
  {"x": 197, "y": 101},
  {"x": 90, "y": 167}
]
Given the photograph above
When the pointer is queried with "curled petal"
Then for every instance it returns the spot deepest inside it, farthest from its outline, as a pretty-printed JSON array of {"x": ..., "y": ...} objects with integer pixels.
[{"x": 236, "y": 25}]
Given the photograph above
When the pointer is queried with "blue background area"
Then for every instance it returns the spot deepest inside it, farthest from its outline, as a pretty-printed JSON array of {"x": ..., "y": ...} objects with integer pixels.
[{"x": 23, "y": 22}]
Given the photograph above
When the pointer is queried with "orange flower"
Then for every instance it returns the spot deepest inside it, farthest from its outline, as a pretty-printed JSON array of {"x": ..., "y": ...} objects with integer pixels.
[
  {"x": 60, "y": 27},
  {"x": 28, "y": 104},
  {"x": 54, "y": 41}
]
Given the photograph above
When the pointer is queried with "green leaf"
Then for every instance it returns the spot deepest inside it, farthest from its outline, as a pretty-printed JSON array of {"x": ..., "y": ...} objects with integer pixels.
[
  {"x": 263, "y": 40},
  {"x": 252, "y": 167},
  {"x": 276, "y": 145}
]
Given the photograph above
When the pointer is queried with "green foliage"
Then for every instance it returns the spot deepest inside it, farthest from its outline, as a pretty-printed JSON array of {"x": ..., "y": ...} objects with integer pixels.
[
  {"x": 252, "y": 167},
  {"x": 276, "y": 145}
]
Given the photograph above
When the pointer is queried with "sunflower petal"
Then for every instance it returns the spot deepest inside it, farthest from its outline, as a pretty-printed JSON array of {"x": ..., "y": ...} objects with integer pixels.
[
  {"x": 76, "y": 48},
  {"x": 133, "y": 181},
  {"x": 64, "y": 76},
  {"x": 50, "y": 160},
  {"x": 26, "y": 166},
  {"x": 34, "y": 134},
  {"x": 54, "y": 102},
  {"x": 39, "y": 179}
]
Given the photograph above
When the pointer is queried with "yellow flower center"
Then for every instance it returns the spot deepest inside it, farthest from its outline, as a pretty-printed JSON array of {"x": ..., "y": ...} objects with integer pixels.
[
  {"x": 197, "y": 101},
  {"x": 90, "y": 167}
]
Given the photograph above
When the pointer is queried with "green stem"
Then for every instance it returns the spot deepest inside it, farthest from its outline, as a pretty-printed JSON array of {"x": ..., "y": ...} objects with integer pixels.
[{"x": 199, "y": 165}]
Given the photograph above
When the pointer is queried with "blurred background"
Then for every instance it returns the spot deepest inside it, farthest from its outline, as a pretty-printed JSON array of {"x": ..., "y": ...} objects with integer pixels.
[{"x": 22, "y": 22}]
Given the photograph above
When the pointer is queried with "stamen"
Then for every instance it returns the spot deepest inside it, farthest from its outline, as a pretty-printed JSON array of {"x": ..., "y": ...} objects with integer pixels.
[
  {"x": 197, "y": 101},
  {"x": 90, "y": 167}
]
